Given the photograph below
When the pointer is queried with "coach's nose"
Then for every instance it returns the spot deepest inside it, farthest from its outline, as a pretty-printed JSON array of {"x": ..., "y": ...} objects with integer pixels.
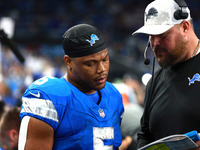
[{"x": 154, "y": 40}]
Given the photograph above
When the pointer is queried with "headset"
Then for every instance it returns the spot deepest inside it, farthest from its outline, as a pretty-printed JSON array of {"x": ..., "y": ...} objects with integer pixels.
[{"x": 181, "y": 13}]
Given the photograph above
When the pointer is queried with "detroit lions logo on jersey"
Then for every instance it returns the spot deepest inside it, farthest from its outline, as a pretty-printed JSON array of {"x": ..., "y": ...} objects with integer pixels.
[
  {"x": 196, "y": 77},
  {"x": 93, "y": 39}
]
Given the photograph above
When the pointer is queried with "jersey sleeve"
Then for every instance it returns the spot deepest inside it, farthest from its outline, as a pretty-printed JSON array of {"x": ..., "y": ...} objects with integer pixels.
[
  {"x": 41, "y": 107},
  {"x": 44, "y": 101}
]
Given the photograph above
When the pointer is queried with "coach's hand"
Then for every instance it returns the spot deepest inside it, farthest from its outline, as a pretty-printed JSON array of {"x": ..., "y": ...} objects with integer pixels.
[{"x": 125, "y": 143}]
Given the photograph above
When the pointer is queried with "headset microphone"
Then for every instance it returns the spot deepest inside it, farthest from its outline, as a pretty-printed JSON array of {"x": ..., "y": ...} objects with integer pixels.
[{"x": 146, "y": 60}]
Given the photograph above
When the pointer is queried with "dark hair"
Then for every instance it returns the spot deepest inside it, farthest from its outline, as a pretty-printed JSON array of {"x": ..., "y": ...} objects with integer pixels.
[{"x": 2, "y": 104}]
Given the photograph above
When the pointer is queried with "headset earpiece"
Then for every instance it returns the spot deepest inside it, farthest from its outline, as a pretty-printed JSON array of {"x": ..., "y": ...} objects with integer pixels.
[{"x": 181, "y": 13}]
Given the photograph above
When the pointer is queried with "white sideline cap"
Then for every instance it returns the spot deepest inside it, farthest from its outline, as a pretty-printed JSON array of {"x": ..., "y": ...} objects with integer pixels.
[{"x": 159, "y": 17}]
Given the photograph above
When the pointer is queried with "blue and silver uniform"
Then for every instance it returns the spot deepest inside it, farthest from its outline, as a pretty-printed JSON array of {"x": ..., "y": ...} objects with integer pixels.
[{"x": 78, "y": 122}]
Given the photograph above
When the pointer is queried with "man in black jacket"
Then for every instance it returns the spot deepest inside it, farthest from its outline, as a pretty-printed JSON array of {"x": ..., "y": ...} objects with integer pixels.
[{"x": 172, "y": 97}]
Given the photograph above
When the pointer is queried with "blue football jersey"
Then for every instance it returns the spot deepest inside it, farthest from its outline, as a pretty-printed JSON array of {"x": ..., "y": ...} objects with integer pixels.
[{"x": 78, "y": 122}]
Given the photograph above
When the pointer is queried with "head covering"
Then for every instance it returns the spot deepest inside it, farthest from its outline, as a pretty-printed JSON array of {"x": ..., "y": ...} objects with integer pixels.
[
  {"x": 159, "y": 17},
  {"x": 82, "y": 40}
]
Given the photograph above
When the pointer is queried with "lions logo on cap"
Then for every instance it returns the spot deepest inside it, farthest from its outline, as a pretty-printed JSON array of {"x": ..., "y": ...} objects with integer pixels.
[
  {"x": 151, "y": 12},
  {"x": 93, "y": 39}
]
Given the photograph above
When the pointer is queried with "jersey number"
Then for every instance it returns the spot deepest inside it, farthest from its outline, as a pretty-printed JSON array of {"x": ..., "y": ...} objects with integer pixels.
[
  {"x": 101, "y": 134},
  {"x": 43, "y": 80}
]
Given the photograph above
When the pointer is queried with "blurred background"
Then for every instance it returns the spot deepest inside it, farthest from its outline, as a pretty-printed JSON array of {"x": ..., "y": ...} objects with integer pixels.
[{"x": 37, "y": 27}]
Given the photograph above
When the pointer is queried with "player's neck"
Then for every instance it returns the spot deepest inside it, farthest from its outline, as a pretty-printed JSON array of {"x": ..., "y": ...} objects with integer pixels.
[{"x": 81, "y": 88}]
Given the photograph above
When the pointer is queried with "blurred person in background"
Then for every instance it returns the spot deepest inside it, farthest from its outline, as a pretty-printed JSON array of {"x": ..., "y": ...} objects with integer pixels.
[
  {"x": 138, "y": 88},
  {"x": 80, "y": 110},
  {"x": 171, "y": 104},
  {"x": 6, "y": 95},
  {"x": 9, "y": 129},
  {"x": 133, "y": 110}
]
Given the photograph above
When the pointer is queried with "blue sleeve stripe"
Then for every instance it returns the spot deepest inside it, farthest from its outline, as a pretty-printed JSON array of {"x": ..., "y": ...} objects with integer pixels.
[{"x": 40, "y": 107}]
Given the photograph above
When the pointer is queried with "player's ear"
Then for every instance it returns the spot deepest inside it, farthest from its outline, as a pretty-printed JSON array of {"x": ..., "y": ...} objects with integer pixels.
[{"x": 67, "y": 61}]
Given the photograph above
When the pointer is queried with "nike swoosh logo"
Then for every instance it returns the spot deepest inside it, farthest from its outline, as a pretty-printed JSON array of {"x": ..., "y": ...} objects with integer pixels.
[{"x": 36, "y": 95}]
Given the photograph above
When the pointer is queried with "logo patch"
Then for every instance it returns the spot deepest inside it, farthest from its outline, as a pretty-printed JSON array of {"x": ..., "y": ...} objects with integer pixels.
[
  {"x": 36, "y": 95},
  {"x": 151, "y": 12},
  {"x": 93, "y": 39},
  {"x": 101, "y": 113},
  {"x": 196, "y": 77}
]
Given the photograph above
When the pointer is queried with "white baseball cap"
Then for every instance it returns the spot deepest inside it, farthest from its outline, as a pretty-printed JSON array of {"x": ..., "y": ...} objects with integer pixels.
[{"x": 159, "y": 17}]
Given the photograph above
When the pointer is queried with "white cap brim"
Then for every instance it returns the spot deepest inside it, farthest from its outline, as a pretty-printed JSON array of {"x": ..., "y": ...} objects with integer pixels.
[{"x": 153, "y": 29}]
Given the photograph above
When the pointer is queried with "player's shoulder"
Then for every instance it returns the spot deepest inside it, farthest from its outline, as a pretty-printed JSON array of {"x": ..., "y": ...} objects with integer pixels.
[
  {"x": 113, "y": 93},
  {"x": 48, "y": 81},
  {"x": 110, "y": 88},
  {"x": 50, "y": 86}
]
